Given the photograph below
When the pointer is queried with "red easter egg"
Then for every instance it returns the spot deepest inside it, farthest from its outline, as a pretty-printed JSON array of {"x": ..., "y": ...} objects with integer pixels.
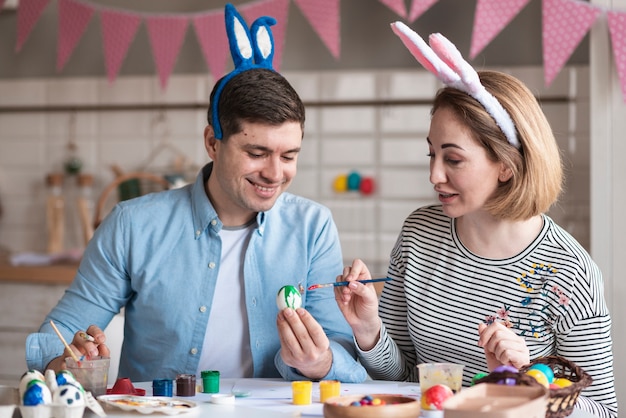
[
  {"x": 434, "y": 396},
  {"x": 367, "y": 185}
]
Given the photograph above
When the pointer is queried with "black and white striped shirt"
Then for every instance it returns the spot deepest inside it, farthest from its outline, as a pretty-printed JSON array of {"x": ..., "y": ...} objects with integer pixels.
[{"x": 551, "y": 294}]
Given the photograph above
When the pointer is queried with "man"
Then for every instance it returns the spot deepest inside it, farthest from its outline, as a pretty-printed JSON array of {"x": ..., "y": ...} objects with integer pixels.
[{"x": 197, "y": 269}]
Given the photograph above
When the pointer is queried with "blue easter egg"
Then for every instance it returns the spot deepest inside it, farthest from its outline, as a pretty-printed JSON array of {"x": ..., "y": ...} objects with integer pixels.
[
  {"x": 354, "y": 181},
  {"x": 37, "y": 393}
]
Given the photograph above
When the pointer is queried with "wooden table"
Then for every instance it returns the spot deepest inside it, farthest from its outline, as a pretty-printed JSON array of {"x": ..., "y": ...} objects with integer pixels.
[{"x": 50, "y": 274}]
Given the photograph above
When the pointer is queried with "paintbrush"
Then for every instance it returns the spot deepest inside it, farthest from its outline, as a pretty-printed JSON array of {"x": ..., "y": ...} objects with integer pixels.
[
  {"x": 65, "y": 343},
  {"x": 335, "y": 284}
]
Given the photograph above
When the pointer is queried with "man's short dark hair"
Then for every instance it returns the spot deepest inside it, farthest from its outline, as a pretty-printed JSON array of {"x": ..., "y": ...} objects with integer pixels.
[{"x": 259, "y": 96}]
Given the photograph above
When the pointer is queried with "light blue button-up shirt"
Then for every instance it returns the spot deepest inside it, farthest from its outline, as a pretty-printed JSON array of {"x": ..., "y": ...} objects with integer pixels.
[{"x": 158, "y": 257}]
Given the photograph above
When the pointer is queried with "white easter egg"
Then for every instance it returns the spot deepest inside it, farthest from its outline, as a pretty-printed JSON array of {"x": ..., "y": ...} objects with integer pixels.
[
  {"x": 288, "y": 297},
  {"x": 69, "y": 394}
]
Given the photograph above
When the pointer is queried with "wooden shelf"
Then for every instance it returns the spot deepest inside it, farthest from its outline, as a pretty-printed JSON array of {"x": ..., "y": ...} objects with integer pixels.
[{"x": 52, "y": 274}]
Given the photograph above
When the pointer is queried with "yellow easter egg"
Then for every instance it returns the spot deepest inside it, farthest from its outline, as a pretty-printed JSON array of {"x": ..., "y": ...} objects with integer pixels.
[
  {"x": 341, "y": 183},
  {"x": 562, "y": 382},
  {"x": 539, "y": 376}
]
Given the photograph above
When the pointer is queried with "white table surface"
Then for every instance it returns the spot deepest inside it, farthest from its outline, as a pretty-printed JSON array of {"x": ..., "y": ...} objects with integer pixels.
[{"x": 271, "y": 398}]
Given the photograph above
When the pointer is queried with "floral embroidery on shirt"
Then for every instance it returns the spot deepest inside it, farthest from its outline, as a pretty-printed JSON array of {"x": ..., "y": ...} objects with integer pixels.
[{"x": 538, "y": 321}]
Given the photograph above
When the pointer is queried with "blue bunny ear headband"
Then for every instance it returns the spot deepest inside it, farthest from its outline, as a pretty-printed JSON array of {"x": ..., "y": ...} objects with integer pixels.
[
  {"x": 250, "y": 48},
  {"x": 444, "y": 60}
]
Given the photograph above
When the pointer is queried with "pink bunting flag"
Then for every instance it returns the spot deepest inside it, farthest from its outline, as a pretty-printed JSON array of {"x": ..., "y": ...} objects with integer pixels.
[
  {"x": 118, "y": 31},
  {"x": 490, "y": 18},
  {"x": 617, "y": 28},
  {"x": 278, "y": 9},
  {"x": 211, "y": 33},
  {"x": 565, "y": 23},
  {"x": 166, "y": 34},
  {"x": 419, "y": 7},
  {"x": 323, "y": 15},
  {"x": 397, "y": 6},
  {"x": 73, "y": 20},
  {"x": 28, "y": 12}
]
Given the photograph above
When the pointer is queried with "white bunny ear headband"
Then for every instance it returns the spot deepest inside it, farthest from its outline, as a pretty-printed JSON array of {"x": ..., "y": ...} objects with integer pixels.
[
  {"x": 253, "y": 48},
  {"x": 445, "y": 61}
]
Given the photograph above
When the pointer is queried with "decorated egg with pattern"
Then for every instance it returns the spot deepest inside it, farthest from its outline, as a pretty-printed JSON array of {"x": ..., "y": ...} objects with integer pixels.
[
  {"x": 27, "y": 378},
  {"x": 288, "y": 297},
  {"x": 69, "y": 395},
  {"x": 37, "y": 393}
]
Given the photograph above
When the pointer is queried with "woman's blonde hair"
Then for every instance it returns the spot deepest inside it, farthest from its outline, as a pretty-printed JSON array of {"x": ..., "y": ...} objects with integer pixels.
[{"x": 536, "y": 167}]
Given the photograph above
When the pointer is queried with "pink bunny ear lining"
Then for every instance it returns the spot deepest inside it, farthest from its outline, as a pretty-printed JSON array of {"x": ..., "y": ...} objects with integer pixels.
[{"x": 411, "y": 40}]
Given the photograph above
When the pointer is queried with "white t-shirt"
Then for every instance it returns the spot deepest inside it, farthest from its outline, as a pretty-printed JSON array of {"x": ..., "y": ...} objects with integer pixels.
[{"x": 226, "y": 344}]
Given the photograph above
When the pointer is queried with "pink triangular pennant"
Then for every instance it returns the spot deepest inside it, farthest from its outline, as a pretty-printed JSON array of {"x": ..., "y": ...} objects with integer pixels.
[
  {"x": 565, "y": 23},
  {"x": 323, "y": 15},
  {"x": 166, "y": 38},
  {"x": 73, "y": 20},
  {"x": 419, "y": 7},
  {"x": 490, "y": 18},
  {"x": 397, "y": 6},
  {"x": 211, "y": 33},
  {"x": 617, "y": 28},
  {"x": 278, "y": 9},
  {"x": 118, "y": 31},
  {"x": 28, "y": 12}
]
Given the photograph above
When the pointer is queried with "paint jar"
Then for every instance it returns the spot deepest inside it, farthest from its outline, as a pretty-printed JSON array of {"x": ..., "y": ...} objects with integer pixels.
[
  {"x": 329, "y": 389},
  {"x": 162, "y": 387},
  {"x": 210, "y": 381},
  {"x": 186, "y": 385},
  {"x": 302, "y": 392}
]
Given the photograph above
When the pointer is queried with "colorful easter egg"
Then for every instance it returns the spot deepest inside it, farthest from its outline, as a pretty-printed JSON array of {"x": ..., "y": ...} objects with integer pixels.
[
  {"x": 341, "y": 183},
  {"x": 539, "y": 377},
  {"x": 65, "y": 376},
  {"x": 367, "y": 185},
  {"x": 434, "y": 397},
  {"x": 69, "y": 394},
  {"x": 354, "y": 180},
  {"x": 27, "y": 378},
  {"x": 507, "y": 381},
  {"x": 288, "y": 297},
  {"x": 37, "y": 393},
  {"x": 545, "y": 369},
  {"x": 562, "y": 382},
  {"x": 478, "y": 376}
]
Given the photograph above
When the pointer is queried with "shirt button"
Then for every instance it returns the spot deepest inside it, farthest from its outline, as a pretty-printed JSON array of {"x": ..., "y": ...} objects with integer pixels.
[
  {"x": 258, "y": 344},
  {"x": 211, "y": 265},
  {"x": 198, "y": 232},
  {"x": 253, "y": 301},
  {"x": 213, "y": 222},
  {"x": 203, "y": 309},
  {"x": 261, "y": 229},
  {"x": 194, "y": 351}
]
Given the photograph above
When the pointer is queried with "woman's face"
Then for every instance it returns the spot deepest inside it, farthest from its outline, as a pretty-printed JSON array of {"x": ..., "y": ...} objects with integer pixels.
[{"x": 460, "y": 170}]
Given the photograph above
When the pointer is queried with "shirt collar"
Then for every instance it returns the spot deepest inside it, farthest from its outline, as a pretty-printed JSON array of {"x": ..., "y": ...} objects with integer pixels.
[{"x": 204, "y": 214}]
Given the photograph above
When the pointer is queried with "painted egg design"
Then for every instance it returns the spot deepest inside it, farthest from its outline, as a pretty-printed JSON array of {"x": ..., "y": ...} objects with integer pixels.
[
  {"x": 28, "y": 377},
  {"x": 288, "y": 297},
  {"x": 69, "y": 395},
  {"x": 37, "y": 393}
]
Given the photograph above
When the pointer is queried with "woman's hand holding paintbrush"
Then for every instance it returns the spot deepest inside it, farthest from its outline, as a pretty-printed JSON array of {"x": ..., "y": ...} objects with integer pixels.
[
  {"x": 85, "y": 344},
  {"x": 358, "y": 302}
]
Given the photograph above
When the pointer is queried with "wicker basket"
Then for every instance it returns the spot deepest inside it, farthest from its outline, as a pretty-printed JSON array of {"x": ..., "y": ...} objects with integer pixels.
[{"x": 561, "y": 401}]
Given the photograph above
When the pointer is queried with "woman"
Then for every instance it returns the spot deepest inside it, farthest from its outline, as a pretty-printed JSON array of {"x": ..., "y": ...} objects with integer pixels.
[{"x": 485, "y": 278}]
